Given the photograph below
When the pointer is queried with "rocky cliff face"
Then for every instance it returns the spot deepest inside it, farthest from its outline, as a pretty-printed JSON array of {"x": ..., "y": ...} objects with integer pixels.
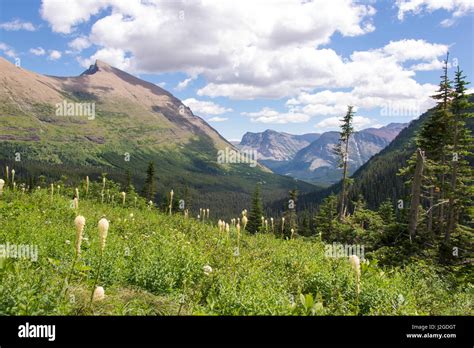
[{"x": 311, "y": 157}]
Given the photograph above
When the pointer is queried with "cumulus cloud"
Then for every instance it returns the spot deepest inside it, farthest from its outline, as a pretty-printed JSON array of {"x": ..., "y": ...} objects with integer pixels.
[
  {"x": 378, "y": 79},
  {"x": 404, "y": 50},
  {"x": 205, "y": 107},
  {"x": 54, "y": 55},
  {"x": 16, "y": 25},
  {"x": 184, "y": 84},
  {"x": 7, "y": 50},
  {"x": 249, "y": 50},
  {"x": 242, "y": 49},
  {"x": 218, "y": 119},
  {"x": 113, "y": 56},
  {"x": 458, "y": 8},
  {"x": 79, "y": 43},
  {"x": 268, "y": 115},
  {"x": 39, "y": 51},
  {"x": 64, "y": 15},
  {"x": 334, "y": 123}
]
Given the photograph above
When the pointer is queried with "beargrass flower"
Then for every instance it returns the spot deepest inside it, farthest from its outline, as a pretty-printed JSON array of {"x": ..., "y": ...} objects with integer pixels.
[
  {"x": 171, "y": 201},
  {"x": 103, "y": 229},
  {"x": 99, "y": 293},
  {"x": 244, "y": 221},
  {"x": 80, "y": 222},
  {"x": 207, "y": 270},
  {"x": 355, "y": 264}
]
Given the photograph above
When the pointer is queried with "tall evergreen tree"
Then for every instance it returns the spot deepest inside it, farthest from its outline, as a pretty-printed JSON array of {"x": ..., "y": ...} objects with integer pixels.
[
  {"x": 342, "y": 150},
  {"x": 324, "y": 219},
  {"x": 149, "y": 187},
  {"x": 305, "y": 229},
  {"x": 256, "y": 212},
  {"x": 433, "y": 139},
  {"x": 461, "y": 173}
]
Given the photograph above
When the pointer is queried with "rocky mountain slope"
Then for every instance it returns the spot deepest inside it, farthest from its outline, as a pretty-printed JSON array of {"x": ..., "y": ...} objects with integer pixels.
[
  {"x": 311, "y": 157},
  {"x": 134, "y": 122},
  {"x": 276, "y": 146}
]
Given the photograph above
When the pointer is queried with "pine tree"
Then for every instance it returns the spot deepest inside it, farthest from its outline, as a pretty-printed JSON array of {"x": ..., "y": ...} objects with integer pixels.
[
  {"x": 149, "y": 188},
  {"x": 324, "y": 220},
  {"x": 386, "y": 212},
  {"x": 305, "y": 229},
  {"x": 342, "y": 150},
  {"x": 461, "y": 174},
  {"x": 433, "y": 139},
  {"x": 256, "y": 212}
]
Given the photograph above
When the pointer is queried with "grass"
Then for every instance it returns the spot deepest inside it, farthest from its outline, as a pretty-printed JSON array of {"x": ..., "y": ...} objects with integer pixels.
[{"x": 153, "y": 265}]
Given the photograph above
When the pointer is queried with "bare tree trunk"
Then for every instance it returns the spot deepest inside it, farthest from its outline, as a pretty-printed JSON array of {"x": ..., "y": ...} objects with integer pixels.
[
  {"x": 442, "y": 195},
  {"x": 342, "y": 212},
  {"x": 415, "y": 194},
  {"x": 430, "y": 214}
]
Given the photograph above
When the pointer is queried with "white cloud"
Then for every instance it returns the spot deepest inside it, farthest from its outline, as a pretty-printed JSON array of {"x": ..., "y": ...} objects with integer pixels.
[
  {"x": 253, "y": 49},
  {"x": 218, "y": 119},
  {"x": 458, "y": 8},
  {"x": 205, "y": 107},
  {"x": 404, "y": 50},
  {"x": 79, "y": 43},
  {"x": 183, "y": 84},
  {"x": 433, "y": 65},
  {"x": 242, "y": 49},
  {"x": 63, "y": 15},
  {"x": 378, "y": 79},
  {"x": 268, "y": 115},
  {"x": 113, "y": 56},
  {"x": 16, "y": 25},
  {"x": 54, "y": 55},
  {"x": 334, "y": 123},
  {"x": 39, "y": 51},
  {"x": 7, "y": 50}
]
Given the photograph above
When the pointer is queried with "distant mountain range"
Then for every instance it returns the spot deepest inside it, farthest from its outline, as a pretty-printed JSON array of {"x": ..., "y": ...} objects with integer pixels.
[
  {"x": 134, "y": 122},
  {"x": 276, "y": 146},
  {"x": 311, "y": 157}
]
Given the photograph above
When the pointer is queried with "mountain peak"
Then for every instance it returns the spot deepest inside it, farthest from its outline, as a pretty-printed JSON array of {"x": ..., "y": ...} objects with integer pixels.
[{"x": 99, "y": 65}]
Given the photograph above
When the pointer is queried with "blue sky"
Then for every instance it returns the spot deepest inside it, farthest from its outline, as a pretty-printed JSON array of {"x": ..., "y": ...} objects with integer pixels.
[{"x": 287, "y": 65}]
